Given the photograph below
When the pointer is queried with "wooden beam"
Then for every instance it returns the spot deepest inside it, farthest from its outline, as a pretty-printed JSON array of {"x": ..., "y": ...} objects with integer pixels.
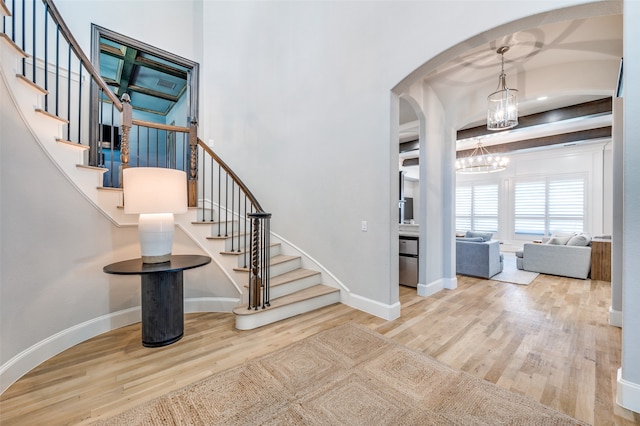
[
  {"x": 586, "y": 109},
  {"x": 581, "y": 135},
  {"x": 563, "y": 138},
  {"x": 409, "y": 146}
]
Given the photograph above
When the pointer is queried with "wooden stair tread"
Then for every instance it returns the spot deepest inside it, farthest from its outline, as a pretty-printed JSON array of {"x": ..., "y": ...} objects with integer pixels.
[
  {"x": 212, "y": 222},
  {"x": 290, "y": 276},
  {"x": 275, "y": 260},
  {"x": 298, "y": 296},
  {"x": 243, "y": 251}
]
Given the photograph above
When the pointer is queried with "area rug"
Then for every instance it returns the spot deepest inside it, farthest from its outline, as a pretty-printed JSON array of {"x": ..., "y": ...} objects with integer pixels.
[
  {"x": 511, "y": 274},
  {"x": 347, "y": 375}
]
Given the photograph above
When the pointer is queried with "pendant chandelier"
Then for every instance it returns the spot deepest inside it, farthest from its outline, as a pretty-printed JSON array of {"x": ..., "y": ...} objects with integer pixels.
[
  {"x": 502, "y": 112},
  {"x": 481, "y": 161}
]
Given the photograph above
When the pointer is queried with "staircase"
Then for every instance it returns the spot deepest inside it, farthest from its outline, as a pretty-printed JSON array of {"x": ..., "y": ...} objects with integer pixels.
[{"x": 294, "y": 288}]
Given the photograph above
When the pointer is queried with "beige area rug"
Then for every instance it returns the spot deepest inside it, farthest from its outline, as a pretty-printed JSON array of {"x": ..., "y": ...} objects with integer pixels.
[
  {"x": 511, "y": 274},
  {"x": 348, "y": 375}
]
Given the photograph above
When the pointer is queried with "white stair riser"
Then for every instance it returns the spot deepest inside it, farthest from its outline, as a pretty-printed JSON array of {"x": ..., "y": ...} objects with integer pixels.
[
  {"x": 274, "y": 251},
  {"x": 221, "y": 229},
  {"x": 271, "y": 315},
  {"x": 287, "y": 288},
  {"x": 284, "y": 267},
  {"x": 294, "y": 286}
]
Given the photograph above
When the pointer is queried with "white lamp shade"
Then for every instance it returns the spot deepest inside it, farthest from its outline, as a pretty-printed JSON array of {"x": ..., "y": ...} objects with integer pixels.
[
  {"x": 154, "y": 190},
  {"x": 156, "y": 194}
]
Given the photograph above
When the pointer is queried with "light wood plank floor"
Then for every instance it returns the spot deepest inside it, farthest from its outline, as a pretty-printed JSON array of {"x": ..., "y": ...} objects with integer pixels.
[{"x": 549, "y": 340}]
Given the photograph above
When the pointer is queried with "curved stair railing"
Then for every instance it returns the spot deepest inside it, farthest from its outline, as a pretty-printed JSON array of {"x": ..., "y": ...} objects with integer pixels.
[{"x": 54, "y": 63}]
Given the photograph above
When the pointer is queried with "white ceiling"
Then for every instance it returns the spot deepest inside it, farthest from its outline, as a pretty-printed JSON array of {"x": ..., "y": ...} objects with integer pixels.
[{"x": 568, "y": 63}]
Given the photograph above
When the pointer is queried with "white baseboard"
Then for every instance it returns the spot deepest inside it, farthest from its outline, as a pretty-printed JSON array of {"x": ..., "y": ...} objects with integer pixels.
[
  {"x": 615, "y": 317},
  {"x": 210, "y": 304},
  {"x": 373, "y": 307},
  {"x": 31, "y": 357},
  {"x": 437, "y": 285},
  {"x": 628, "y": 394}
]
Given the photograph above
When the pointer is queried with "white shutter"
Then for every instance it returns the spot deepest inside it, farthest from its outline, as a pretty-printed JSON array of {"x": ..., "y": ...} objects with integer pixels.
[
  {"x": 485, "y": 208},
  {"x": 463, "y": 208},
  {"x": 477, "y": 208},
  {"x": 548, "y": 206}
]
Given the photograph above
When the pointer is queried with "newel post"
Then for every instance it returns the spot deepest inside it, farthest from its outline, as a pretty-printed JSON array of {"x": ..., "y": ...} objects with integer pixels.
[
  {"x": 193, "y": 164},
  {"x": 126, "y": 121},
  {"x": 259, "y": 287}
]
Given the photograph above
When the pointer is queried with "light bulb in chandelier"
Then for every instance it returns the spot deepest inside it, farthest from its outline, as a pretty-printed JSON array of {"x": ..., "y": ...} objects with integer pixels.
[{"x": 481, "y": 161}]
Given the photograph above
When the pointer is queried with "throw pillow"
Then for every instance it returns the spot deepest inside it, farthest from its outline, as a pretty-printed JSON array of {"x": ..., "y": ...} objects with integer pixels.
[
  {"x": 580, "y": 240},
  {"x": 486, "y": 236},
  {"x": 471, "y": 240},
  {"x": 559, "y": 240}
]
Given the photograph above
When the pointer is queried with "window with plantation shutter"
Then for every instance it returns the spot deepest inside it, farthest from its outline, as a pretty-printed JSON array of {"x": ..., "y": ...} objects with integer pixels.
[
  {"x": 477, "y": 208},
  {"x": 550, "y": 205}
]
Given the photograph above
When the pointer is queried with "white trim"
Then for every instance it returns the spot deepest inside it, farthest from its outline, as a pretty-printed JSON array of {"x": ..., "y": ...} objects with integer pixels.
[
  {"x": 306, "y": 255},
  {"x": 33, "y": 356},
  {"x": 373, "y": 307},
  {"x": 437, "y": 285},
  {"x": 210, "y": 304},
  {"x": 628, "y": 394},
  {"x": 615, "y": 317}
]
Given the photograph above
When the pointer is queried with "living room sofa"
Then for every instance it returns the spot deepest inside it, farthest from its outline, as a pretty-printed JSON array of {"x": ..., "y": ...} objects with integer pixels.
[
  {"x": 556, "y": 259},
  {"x": 477, "y": 257}
]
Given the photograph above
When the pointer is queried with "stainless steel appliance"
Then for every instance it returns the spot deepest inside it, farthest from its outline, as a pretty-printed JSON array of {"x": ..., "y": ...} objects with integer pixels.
[{"x": 408, "y": 261}]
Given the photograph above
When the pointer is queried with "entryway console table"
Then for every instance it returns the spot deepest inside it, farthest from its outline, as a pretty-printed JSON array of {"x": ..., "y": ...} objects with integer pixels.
[{"x": 162, "y": 295}]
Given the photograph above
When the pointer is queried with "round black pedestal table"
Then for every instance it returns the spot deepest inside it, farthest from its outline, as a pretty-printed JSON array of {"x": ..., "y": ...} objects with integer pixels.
[{"x": 162, "y": 295}]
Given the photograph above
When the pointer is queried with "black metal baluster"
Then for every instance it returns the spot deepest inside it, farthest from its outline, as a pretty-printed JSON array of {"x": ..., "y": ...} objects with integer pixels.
[
  {"x": 204, "y": 168},
  {"x": 112, "y": 153},
  {"x": 46, "y": 57},
  {"x": 239, "y": 216},
  {"x": 211, "y": 191},
  {"x": 219, "y": 195},
  {"x": 24, "y": 37},
  {"x": 246, "y": 218},
  {"x": 267, "y": 259},
  {"x": 226, "y": 205},
  {"x": 34, "y": 53},
  {"x": 80, "y": 102},
  {"x": 57, "y": 68},
  {"x": 233, "y": 205},
  {"x": 157, "y": 148},
  {"x": 69, "y": 93}
]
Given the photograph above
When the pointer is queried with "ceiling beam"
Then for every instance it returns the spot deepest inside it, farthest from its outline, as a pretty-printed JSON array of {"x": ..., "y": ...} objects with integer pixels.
[
  {"x": 409, "y": 146},
  {"x": 563, "y": 138},
  {"x": 144, "y": 62},
  {"x": 586, "y": 109}
]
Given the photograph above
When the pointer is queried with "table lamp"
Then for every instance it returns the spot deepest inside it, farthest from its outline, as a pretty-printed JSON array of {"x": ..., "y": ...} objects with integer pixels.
[{"x": 156, "y": 194}]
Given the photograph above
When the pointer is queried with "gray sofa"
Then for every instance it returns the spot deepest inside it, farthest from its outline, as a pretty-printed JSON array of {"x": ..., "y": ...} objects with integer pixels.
[
  {"x": 478, "y": 258},
  {"x": 564, "y": 260}
]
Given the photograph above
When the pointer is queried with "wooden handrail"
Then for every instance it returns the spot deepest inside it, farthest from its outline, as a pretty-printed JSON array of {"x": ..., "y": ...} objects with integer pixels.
[
  {"x": 75, "y": 46},
  {"x": 167, "y": 127},
  {"x": 231, "y": 173}
]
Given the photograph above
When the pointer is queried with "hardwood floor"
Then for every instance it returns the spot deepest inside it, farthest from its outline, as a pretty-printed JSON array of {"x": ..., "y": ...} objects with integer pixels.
[{"x": 550, "y": 341}]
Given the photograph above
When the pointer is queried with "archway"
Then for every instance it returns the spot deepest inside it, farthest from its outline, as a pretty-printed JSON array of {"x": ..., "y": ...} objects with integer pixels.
[{"x": 443, "y": 118}]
